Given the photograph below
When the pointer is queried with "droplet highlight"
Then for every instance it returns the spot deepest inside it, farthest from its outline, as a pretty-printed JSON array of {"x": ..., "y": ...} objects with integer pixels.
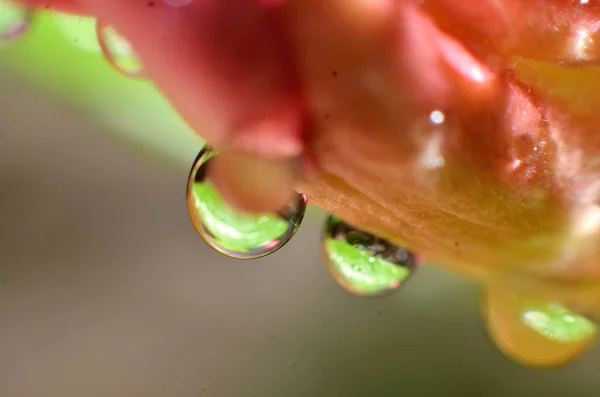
[
  {"x": 118, "y": 51},
  {"x": 231, "y": 232},
  {"x": 15, "y": 21},
  {"x": 362, "y": 263},
  {"x": 557, "y": 323}
]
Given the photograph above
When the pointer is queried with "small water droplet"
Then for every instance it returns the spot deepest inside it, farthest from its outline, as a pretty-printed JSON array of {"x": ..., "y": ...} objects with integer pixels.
[
  {"x": 118, "y": 51},
  {"x": 230, "y": 232},
  {"x": 362, "y": 263},
  {"x": 15, "y": 21}
]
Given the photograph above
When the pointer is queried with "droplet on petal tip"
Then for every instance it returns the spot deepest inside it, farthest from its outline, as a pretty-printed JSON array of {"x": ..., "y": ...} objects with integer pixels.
[
  {"x": 15, "y": 21},
  {"x": 536, "y": 333},
  {"x": 230, "y": 232},
  {"x": 364, "y": 264},
  {"x": 118, "y": 51}
]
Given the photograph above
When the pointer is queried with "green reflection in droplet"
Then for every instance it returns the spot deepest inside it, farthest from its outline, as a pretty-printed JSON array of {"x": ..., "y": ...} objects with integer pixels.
[
  {"x": 13, "y": 20},
  {"x": 232, "y": 229},
  {"x": 364, "y": 272},
  {"x": 557, "y": 323}
]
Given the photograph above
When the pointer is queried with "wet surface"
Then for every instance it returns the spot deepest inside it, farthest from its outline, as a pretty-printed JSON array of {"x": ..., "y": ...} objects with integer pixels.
[{"x": 106, "y": 290}]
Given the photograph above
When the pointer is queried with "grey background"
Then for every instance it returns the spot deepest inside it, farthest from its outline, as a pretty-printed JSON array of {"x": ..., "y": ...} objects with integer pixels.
[{"x": 106, "y": 290}]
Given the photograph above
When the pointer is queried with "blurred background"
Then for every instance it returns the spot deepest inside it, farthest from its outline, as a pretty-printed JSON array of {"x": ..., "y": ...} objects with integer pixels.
[{"x": 106, "y": 289}]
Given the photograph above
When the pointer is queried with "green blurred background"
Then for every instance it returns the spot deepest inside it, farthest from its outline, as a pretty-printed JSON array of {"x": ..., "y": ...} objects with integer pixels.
[
  {"x": 106, "y": 290},
  {"x": 61, "y": 55}
]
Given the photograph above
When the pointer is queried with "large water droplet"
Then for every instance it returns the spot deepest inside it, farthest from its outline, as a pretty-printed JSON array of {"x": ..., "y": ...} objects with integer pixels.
[
  {"x": 362, "y": 263},
  {"x": 118, "y": 51},
  {"x": 15, "y": 21},
  {"x": 230, "y": 232},
  {"x": 536, "y": 330}
]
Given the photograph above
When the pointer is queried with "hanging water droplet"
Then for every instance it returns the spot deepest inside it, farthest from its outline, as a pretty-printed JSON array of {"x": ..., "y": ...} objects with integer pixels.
[
  {"x": 362, "y": 263},
  {"x": 230, "y": 232},
  {"x": 537, "y": 330},
  {"x": 15, "y": 21},
  {"x": 118, "y": 51}
]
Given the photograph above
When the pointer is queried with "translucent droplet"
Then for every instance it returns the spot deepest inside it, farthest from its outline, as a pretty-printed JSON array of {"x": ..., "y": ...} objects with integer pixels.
[
  {"x": 362, "y": 263},
  {"x": 15, "y": 21},
  {"x": 118, "y": 51},
  {"x": 536, "y": 330},
  {"x": 230, "y": 232}
]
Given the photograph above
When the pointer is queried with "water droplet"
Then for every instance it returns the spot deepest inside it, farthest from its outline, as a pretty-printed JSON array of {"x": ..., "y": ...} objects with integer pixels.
[
  {"x": 362, "y": 263},
  {"x": 536, "y": 330},
  {"x": 118, "y": 51},
  {"x": 230, "y": 232},
  {"x": 15, "y": 21}
]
